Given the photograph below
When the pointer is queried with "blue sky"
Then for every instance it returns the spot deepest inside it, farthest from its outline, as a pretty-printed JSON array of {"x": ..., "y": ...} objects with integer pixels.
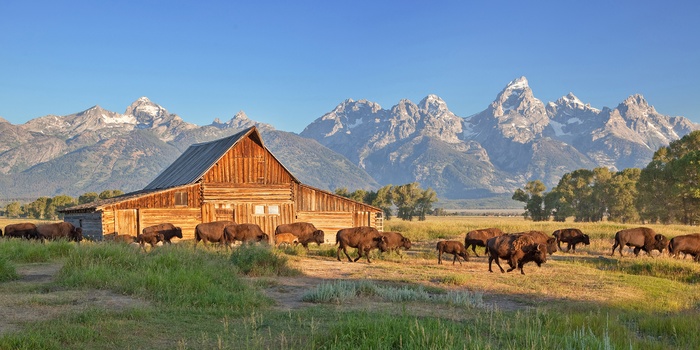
[{"x": 287, "y": 63}]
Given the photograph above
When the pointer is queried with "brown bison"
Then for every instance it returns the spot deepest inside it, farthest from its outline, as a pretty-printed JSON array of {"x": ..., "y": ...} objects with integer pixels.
[
  {"x": 115, "y": 237},
  {"x": 151, "y": 237},
  {"x": 686, "y": 244},
  {"x": 517, "y": 249},
  {"x": 364, "y": 238},
  {"x": 395, "y": 241},
  {"x": 305, "y": 231},
  {"x": 550, "y": 243},
  {"x": 572, "y": 237},
  {"x": 211, "y": 232},
  {"x": 286, "y": 238},
  {"x": 451, "y": 247},
  {"x": 168, "y": 231},
  {"x": 641, "y": 238},
  {"x": 479, "y": 237},
  {"x": 246, "y": 233},
  {"x": 22, "y": 230},
  {"x": 60, "y": 230}
]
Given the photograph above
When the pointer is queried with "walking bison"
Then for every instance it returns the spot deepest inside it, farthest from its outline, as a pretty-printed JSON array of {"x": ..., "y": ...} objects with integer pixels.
[
  {"x": 641, "y": 238},
  {"x": 151, "y": 237},
  {"x": 517, "y": 250},
  {"x": 286, "y": 238},
  {"x": 686, "y": 244},
  {"x": 572, "y": 237},
  {"x": 364, "y": 238},
  {"x": 550, "y": 243},
  {"x": 22, "y": 230},
  {"x": 479, "y": 237},
  {"x": 246, "y": 233},
  {"x": 59, "y": 230},
  {"x": 211, "y": 232},
  {"x": 395, "y": 241},
  {"x": 306, "y": 232},
  {"x": 168, "y": 230},
  {"x": 451, "y": 247}
]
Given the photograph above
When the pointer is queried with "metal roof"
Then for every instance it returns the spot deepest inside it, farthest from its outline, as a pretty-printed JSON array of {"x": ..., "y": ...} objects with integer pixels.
[{"x": 196, "y": 161}]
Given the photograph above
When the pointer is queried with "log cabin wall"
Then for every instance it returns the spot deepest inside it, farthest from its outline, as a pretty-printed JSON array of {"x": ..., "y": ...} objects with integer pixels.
[
  {"x": 180, "y": 197},
  {"x": 91, "y": 223},
  {"x": 247, "y": 163}
]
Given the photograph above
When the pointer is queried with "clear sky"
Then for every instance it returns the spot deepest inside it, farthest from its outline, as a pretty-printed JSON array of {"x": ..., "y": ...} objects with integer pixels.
[{"x": 287, "y": 63}]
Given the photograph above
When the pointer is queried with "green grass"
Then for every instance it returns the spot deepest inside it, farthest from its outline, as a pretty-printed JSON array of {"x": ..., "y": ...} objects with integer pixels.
[
  {"x": 258, "y": 260},
  {"x": 7, "y": 270}
]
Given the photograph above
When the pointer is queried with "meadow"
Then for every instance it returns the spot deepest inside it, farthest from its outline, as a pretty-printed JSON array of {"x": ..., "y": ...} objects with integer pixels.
[{"x": 113, "y": 296}]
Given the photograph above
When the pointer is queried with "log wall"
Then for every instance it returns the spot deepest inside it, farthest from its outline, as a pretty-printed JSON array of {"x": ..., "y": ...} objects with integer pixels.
[
  {"x": 91, "y": 223},
  {"x": 248, "y": 162}
]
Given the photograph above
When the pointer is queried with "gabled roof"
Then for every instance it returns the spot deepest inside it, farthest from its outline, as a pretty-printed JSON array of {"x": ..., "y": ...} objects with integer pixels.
[{"x": 198, "y": 159}]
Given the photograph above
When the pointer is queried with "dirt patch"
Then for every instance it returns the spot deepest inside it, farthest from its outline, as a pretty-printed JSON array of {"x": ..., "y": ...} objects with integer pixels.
[{"x": 34, "y": 298}]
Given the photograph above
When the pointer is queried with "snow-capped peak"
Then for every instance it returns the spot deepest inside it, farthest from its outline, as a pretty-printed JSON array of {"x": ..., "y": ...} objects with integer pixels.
[
  {"x": 571, "y": 99},
  {"x": 518, "y": 84},
  {"x": 433, "y": 104}
]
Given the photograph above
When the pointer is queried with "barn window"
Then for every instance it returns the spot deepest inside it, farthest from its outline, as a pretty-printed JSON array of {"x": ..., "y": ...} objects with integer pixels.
[
  {"x": 181, "y": 198},
  {"x": 259, "y": 210},
  {"x": 273, "y": 209}
]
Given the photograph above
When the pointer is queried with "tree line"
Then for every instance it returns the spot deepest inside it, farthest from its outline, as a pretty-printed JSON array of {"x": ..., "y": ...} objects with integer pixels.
[
  {"x": 409, "y": 200},
  {"x": 47, "y": 208},
  {"x": 666, "y": 191}
]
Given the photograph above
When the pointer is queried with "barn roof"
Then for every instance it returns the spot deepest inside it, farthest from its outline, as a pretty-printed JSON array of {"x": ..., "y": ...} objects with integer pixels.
[{"x": 196, "y": 161}]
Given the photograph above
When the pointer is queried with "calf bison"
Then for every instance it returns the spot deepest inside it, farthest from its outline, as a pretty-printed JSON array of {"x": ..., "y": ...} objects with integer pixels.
[
  {"x": 246, "y": 233},
  {"x": 211, "y": 232},
  {"x": 517, "y": 249},
  {"x": 686, "y": 244},
  {"x": 168, "y": 231},
  {"x": 572, "y": 237},
  {"x": 479, "y": 237},
  {"x": 60, "y": 230},
  {"x": 364, "y": 238},
  {"x": 451, "y": 247},
  {"x": 286, "y": 238},
  {"x": 395, "y": 241},
  {"x": 641, "y": 238},
  {"x": 550, "y": 243},
  {"x": 305, "y": 231},
  {"x": 150, "y": 237},
  {"x": 22, "y": 230}
]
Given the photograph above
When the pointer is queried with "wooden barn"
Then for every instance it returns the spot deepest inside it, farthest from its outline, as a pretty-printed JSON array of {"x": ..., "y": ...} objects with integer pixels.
[{"x": 234, "y": 178}]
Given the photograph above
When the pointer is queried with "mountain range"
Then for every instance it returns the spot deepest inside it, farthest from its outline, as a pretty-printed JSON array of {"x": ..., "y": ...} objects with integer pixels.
[{"x": 357, "y": 145}]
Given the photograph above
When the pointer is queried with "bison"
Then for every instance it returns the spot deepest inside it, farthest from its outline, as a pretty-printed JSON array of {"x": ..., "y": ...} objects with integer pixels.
[
  {"x": 211, "y": 232},
  {"x": 246, "y": 233},
  {"x": 286, "y": 238},
  {"x": 115, "y": 237},
  {"x": 452, "y": 247},
  {"x": 540, "y": 237},
  {"x": 517, "y": 249},
  {"x": 686, "y": 244},
  {"x": 479, "y": 237},
  {"x": 305, "y": 231},
  {"x": 168, "y": 231},
  {"x": 60, "y": 230},
  {"x": 364, "y": 238},
  {"x": 572, "y": 237},
  {"x": 150, "y": 237},
  {"x": 22, "y": 230},
  {"x": 641, "y": 238},
  {"x": 395, "y": 241}
]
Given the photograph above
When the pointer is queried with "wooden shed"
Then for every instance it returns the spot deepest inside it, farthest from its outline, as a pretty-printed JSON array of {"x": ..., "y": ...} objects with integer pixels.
[{"x": 234, "y": 178}]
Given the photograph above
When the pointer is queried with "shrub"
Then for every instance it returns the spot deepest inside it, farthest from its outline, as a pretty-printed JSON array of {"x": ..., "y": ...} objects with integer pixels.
[
  {"x": 257, "y": 260},
  {"x": 7, "y": 271}
]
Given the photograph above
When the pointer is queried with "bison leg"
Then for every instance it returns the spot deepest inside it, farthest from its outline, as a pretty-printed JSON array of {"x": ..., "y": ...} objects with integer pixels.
[
  {"x": 473, "y": 249},
  {"x": 359, "y": 254},
  {"x": 367, "y": 254},
  {"x": 568, "y": 247},
  {"x": 439, "y": 257},
  {"x": 615, "y": 246},
  {"x": 491, "y": 258},
  {"x": 636, "y": 251}
]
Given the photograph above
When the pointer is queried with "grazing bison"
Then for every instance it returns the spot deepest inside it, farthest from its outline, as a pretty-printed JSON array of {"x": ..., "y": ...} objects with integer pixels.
[
  {"x": 395, "y": 241},
  {"x": 572, "y": 237},
  {"x": 246, "y": 233},
  {"x": 305, "y": 231},
  {"x": 151, "y": 237},
  {"x": 22, "y": 230},
  {"x": 641, "y": 238},
  {"x": 550, "y": 243},
  {"x": 115, "y": 237},
  {"x": 60, "y": 230},
  {"x": 517, "y": 249},
  {"x": 211, "y": 232},
  {"x": 452, "y": 247},
  {"x": 286, "y": 238},
  {"x": 364, "y": 238},
  {"x": 479, "y": 237},
  {"x": 168, "y": 231},
  {"x": 686, "y": 244}
]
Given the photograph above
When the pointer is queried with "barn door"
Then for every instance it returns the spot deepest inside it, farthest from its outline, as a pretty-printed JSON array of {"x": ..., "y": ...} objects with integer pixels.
[{"x": 126, "y": 222}]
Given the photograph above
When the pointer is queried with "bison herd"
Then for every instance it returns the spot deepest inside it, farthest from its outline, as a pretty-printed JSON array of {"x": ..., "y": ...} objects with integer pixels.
[{"x": 516, "y": 249}]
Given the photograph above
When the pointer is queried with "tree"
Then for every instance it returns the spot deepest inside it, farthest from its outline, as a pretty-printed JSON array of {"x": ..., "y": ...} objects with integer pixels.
[
  {"x": 384, "y": 199},
  {"x": 622, "y": 194},
  {"x": 37, "y": 208},
  {"x": 425, "y": 203},
  {"x": 13, "y": 210},
  {"x": 685, "y": 172},
  {"x": 406, "y": 199},
  {"x": 110, "y": 193},
  {"x": 88, "y": 197},
  {"x": 57, "y": 203},
  {"x": 533, "y": 197}
]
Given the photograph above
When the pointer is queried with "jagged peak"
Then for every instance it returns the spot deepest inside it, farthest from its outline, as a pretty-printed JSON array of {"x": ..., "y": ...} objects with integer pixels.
[
  {"x": 240, "y": 115},
  {"x": 433, "y": 103},
  {"x": 518, "y": 84},
  {"x": 636, "y": 99},
  {"x": 143, "y": 99}
]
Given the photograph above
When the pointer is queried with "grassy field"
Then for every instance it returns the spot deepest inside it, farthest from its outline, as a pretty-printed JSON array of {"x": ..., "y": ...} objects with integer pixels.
[{"x": 113, "y": 296}]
